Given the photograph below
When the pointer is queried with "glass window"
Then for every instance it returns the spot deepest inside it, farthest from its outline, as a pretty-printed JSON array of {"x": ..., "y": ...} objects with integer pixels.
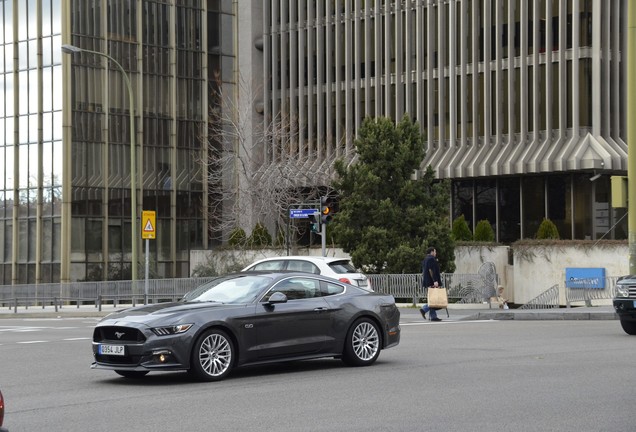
[
  {"x": 303, "y": 266},
  {"x": 296, "y": 289},
  {"x": 559, "y": 209},
  {"x": 269, "y": 265},
  {"x": 8, "y": 240},
  {"x": 463, "y": 201},
  {"x": 93, "y": 235},
  {"x": 329, "y": 288},
  {"x": 509, "y": 210},
  {"x": 533, "y": 205}
]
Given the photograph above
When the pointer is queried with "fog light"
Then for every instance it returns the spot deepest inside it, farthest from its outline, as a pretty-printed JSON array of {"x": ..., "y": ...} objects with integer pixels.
[{"x": 162, "y": 356}]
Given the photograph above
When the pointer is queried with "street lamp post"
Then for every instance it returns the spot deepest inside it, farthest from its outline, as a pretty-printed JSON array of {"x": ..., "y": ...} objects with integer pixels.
[{"x": 71, "y": 49}]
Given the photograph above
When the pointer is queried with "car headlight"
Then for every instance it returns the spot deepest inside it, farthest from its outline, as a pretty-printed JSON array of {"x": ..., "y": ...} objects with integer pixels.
[
  {"x": 622, "y": 290},
  {"x": 171, "y": 330}
]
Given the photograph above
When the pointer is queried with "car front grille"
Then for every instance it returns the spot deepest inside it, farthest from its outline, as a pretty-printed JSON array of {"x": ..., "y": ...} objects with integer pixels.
[
  {"x": 128, "y": 360},
  {"x": 118, "y": 334},
  {"x": 632, "y": 291}
]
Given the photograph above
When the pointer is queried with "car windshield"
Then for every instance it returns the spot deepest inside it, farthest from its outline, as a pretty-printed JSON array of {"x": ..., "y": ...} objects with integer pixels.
[
  {"x": 342, "y": 267},
  {"x": 231, "y": 289}
]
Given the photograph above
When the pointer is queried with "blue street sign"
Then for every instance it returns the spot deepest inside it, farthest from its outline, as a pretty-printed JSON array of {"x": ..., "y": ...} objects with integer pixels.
[{"x": 301, "y": 213}]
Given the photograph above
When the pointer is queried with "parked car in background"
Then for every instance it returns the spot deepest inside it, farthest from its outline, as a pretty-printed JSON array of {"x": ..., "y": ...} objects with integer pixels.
[
  {"x": 248, "y": 318},
  {"x": 625, "y": 303},
  {"x": 2, "y": 413},
  {"x": 337, "y": 268}
]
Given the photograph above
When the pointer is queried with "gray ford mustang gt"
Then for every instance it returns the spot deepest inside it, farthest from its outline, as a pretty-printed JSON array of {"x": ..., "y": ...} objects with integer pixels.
[{"x": 245, "y": 319}]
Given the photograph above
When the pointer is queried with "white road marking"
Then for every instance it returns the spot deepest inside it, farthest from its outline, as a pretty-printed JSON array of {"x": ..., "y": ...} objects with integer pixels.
[
  {"x": 32, "y": 342},
  {"x": 76, "y": 339}
]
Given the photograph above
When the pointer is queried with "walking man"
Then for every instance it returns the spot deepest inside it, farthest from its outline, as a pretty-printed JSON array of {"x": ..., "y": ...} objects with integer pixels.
[{"x": 430, "y": 279}]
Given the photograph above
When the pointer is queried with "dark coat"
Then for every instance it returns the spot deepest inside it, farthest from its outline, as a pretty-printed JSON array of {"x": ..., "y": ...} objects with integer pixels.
[{"x": 430, "y": 271}]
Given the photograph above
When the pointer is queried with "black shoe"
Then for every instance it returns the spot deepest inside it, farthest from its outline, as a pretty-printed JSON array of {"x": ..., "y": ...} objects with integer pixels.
[
  {"x": 423, "y": 313},
  {"x": 436, "y": 319}
]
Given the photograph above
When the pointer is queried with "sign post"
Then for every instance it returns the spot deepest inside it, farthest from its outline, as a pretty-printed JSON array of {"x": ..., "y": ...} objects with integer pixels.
[{"x": 148, "y": 231}]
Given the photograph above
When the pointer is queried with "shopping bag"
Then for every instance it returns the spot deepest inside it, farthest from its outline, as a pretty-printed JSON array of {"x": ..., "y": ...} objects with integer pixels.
[{"x": 437, "y": 298}]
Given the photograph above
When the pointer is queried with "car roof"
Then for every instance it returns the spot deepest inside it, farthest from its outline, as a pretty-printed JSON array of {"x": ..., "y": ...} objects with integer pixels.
[{"x": 304, "y": 257}]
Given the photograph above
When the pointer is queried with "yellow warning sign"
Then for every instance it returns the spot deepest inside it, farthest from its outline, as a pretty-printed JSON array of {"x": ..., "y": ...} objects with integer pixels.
[{"x": 148, "y": 224}]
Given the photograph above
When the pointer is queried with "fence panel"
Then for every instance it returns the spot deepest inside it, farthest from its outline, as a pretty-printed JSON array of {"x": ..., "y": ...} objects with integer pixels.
[{"x": 585, "y": 293}]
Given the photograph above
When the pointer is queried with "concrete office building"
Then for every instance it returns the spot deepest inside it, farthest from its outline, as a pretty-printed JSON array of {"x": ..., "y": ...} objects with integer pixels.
[
  {"x": 522, "y": 101},
  {"x": 65, "y": 133}
]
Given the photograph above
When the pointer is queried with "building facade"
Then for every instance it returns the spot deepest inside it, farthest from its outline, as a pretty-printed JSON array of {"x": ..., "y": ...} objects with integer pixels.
[
  {"x": 68, "y": 123},
  {"x": 522, "y": 102}
]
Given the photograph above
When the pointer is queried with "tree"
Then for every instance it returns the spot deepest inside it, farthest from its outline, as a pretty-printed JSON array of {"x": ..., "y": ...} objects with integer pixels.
[
  {"x": 461, "y": 231},
  {"x": 484, "y": 232},
  {"x": 257, "y": 168},
  {"x": 386, "y": 220},
  {"x": 547, "y": 230}
]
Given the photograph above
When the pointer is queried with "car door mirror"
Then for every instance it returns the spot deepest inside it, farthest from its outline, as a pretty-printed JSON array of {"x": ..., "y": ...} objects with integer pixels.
[{"x": 277, "y": 297}]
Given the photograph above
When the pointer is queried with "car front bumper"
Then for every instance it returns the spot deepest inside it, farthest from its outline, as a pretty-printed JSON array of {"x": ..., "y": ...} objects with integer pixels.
[{"x": 625, "y": 308}]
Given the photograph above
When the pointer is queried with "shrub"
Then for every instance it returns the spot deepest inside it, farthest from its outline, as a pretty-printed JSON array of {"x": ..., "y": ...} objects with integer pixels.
[
  {"x": 461, "y": 231},
  {"x": 260, "y": 236},
  {"x": 547, "y": 230},
  {"x": 237, "y": 237},
  {"x": 484, "y": 232}
]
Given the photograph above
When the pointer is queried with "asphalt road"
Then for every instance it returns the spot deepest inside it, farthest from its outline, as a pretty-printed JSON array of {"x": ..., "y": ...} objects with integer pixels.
[{"x": 450, "y": 376}]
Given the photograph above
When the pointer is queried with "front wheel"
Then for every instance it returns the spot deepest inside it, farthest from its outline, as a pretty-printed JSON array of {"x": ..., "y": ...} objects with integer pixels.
[
  {"x": 212, "y": 356},
  {"x": 363, "y": 342},
  {"x": 629, "y": 327},
  {"x": 131, "y": 374}
]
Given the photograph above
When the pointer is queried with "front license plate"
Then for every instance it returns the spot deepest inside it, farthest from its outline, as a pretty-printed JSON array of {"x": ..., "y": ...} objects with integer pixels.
[{"x": 111, "y": 350}]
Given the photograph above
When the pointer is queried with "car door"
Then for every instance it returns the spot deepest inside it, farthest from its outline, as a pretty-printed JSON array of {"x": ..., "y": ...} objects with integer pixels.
[{"x": 295, "y": 328}]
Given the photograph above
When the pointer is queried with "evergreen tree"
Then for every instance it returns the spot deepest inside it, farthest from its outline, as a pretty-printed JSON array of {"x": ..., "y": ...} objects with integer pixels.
[
  {"x": 461, "y": 231},
  {"x": 386, "y": 220}
]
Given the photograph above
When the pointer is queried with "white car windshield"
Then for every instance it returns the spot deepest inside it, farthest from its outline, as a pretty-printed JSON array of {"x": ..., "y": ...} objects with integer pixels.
[{"x": 232, "y": 289}]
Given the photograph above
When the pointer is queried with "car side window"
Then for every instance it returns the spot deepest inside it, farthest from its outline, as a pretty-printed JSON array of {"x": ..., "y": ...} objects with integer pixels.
[
  {"x": 328, "y": 288},
  {"x": 296, "y": 289},
  {"x": 303, "y": 266},
  {"x": 269, "y": 265}
]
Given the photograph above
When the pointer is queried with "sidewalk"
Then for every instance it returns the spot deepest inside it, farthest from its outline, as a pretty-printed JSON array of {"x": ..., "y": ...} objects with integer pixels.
[
  {"x": 472, "y": 312},
  {"x": 457, "y": 312}
]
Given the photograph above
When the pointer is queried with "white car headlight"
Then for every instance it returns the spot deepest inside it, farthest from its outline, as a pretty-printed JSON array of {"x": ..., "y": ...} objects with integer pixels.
[{"x": 622, "y": 290}]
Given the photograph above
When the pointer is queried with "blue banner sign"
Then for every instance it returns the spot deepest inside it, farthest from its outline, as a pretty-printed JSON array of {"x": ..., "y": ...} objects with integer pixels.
[
  {"x": 301, "y": 213},
  {"x": 585, "y": 277}
]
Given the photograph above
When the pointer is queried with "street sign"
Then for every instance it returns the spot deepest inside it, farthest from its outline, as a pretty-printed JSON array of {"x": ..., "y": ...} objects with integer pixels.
[
  {"x": 301, "y": 213},
  {"x": 148, "y": 224}
]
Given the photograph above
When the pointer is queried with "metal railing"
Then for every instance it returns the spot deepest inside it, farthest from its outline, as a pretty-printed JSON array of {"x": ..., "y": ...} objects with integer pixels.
[
  {"x": 465, "y": 288},
  {"x": 586, "y": 292},
  {"x": 548, "y": 299},
  {"x": 462, "y": 288},
  {"x": 96, "y": 293}
]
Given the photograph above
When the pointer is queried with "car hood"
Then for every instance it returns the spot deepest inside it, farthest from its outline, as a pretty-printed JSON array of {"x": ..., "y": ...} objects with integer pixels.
[{"x": 162, "y": 311}]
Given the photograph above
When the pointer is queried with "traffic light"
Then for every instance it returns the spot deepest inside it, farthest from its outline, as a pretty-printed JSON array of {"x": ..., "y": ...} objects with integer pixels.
[
  {"x": 325, "y": 210},
  {"x": 314, "y": 220}
]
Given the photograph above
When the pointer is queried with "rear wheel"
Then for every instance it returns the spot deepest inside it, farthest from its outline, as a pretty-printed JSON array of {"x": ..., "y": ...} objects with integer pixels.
[
  {"x": 131, "y": 374},
  {"x": 212, "y": 356},
  {"x": 629, "y": 327},
  {"x": 363, "y": 342}
]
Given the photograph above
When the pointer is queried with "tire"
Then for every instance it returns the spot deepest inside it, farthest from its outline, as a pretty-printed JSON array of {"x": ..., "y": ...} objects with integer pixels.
[
  {"x": 629, "y": 327},
  {"x": 131, "y": 374},
  {"x": 212, "y": 356},
  {"x": 363, "y": 343}
]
